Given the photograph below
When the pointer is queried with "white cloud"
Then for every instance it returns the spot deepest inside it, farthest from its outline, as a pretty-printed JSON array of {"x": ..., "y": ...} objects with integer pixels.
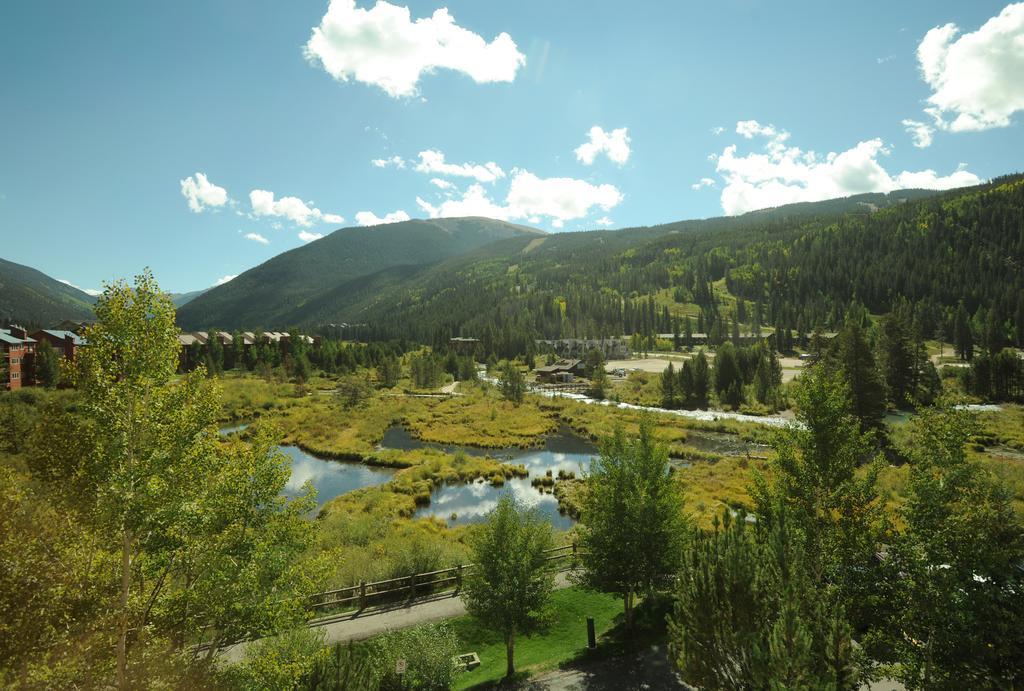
[
  {"x": 921, "y": 132},
  {"x": 256, "y": 237},
  {"x": 975, "y": 77},
  {"x": 563, "y": 199},
  {"x": 604, "y": 221},
  {"x": 530, "y": 197},
  {"x": 614, "y": 144},
  {"x": 474, "y": 202},
  {"x": 432, "y": 161},
  {"x": 384, "y": 47},
  {"x": 787, "y": 174},
  {"x": 393, "y": 162},
  {"x": 443, "y": 184},
  {"x": 368, "y": 218},
  {"x": 703, "y": 182},
  {"x": 752, "y": 128},
  {"x": 87, "y": 291},
  {"x": 307, "y": 236},
  {"x": 201, "y": 193},
  {"x": 224, "y": 279},
  {"x": 717, "y": 130},
  {"x": 292, "y": 208}
]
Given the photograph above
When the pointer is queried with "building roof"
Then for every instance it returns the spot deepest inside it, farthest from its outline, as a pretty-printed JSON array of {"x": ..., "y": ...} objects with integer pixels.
[
  {"x": 560, "y": 366},
  {"x": 63, "y": 335},
  {"x": 6, "y": 337},
  {"x": 187, "y": 339}
]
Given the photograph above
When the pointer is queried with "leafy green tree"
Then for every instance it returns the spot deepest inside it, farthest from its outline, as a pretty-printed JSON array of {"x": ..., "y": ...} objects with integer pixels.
[
  {"x": 47, "y": 364},
  {"x": 203, "y": 542},
  {"x": 632, "y": 526},
  {"x": 598, "y": 382},
  {"x": 302, "y": 370},
  {"x": 214, "y": 354},
  {"x": 833, "y": 506},
  {"x": 511, "y": 383},
  {"x": 15, "y": 422},
  {"x": 955, "y": 569},
  {"x": 511, "y": 580},
  {"x": 429, "y": 651},
  {"x": 747, "y": 614},
  {"x": 352, "y": 391}
]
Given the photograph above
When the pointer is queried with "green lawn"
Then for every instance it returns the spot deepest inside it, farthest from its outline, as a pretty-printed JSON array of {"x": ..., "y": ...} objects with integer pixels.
[{"x": 565, "y": 637}]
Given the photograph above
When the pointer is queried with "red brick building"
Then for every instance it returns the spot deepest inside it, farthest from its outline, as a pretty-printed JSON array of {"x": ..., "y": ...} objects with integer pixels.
[
  {"x": 64, "y": 342},
  {"x": 17, "y": 350}
]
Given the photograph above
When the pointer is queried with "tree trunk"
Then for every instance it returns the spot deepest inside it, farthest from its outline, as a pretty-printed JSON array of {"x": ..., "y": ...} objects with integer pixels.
[
  {"x": 510, "y": 642},
  {"x": 126, "y": 582},
  {"x": 629, "y": 609}
]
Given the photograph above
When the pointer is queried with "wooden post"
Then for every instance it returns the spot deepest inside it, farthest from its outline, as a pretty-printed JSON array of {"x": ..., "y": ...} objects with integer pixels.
[
  {"x": 362, "y": 594},
  {"x": 458, "y": 578},
  {"x": 591, "y": 634}
]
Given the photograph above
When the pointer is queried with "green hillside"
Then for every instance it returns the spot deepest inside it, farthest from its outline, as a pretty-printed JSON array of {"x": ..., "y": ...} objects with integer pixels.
[
  {"x": 800, "y": 267},
  {"x": 277, "y": 292},
  {"x": 33, "y": 298},
  {"x": 392, "y": 290}
]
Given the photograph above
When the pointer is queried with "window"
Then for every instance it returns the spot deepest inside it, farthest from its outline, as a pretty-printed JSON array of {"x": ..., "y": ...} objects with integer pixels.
[
  {"x": 15, "y": 360},
  {"x": 15, "y": 375}
]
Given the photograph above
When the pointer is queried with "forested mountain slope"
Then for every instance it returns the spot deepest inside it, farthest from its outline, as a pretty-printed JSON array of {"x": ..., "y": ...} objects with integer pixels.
[
  {"x": 32, "y": 297},
  {"x": 274, "y": 293},
  {"x": 792, "y": 268}
]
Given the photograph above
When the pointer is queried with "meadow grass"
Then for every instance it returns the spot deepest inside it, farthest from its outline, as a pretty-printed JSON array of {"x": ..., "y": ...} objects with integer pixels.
[{"x": 562, "y": 640}]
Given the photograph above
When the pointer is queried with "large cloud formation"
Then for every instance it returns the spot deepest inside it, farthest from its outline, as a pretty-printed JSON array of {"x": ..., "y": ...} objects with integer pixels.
[
  {"x": 530, "y": 197},
  {"x": 977, "y": 78},
  {"x": 785, "y": 174},
  {"x": 384, "y": 47}
]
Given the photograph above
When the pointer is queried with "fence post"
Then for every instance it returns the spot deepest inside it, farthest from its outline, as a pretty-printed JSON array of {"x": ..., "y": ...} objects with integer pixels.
[
  {"x": 412, "y": 587},
  {"x": 574, "y": 554},
  {"x": 458, "y": 578},
  {"x": 362, "y": 594}
]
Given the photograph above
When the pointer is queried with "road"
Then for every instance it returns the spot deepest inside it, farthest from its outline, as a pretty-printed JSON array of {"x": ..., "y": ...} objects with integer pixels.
[{"x": 373, "y": 621}]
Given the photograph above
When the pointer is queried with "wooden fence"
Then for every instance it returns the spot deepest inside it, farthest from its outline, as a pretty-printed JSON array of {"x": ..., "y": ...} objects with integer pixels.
[{"x": 407, "y": 587}]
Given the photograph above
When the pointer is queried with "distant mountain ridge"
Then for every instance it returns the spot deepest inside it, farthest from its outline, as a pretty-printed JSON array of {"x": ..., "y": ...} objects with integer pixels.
[
  {"x": 30, "y": 296},
  {"x": 350, "y": 274},
  {"x": 275, "y": 292}
]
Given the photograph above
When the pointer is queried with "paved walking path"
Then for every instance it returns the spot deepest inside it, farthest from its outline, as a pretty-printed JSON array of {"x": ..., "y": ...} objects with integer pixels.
[{"x": 373, "y": 621}]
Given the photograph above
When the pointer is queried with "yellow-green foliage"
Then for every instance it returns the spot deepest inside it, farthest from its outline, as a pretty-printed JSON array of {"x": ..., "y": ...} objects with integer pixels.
[
  {"x": 595, "y": 421},
  {"x": 707, "y": 487},
  {"x": 244, "y": 397},
  {"x": 479, "y": 418},
  {"x": 372, "y": 526}
]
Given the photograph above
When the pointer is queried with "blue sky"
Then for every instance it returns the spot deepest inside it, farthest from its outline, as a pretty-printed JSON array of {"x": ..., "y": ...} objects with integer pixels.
[{"x": 201, "y": 139}]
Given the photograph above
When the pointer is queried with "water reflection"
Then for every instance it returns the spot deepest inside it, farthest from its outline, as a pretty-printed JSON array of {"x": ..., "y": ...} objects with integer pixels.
[
  {"x": 470, "y": 503},
  {"x": 331, "y": 478}
]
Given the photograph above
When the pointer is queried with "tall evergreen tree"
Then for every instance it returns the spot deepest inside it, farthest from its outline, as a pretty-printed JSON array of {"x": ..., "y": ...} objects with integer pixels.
[
  {"x": 632, "y": 527},
  {"x": 850, "y": 355}
]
